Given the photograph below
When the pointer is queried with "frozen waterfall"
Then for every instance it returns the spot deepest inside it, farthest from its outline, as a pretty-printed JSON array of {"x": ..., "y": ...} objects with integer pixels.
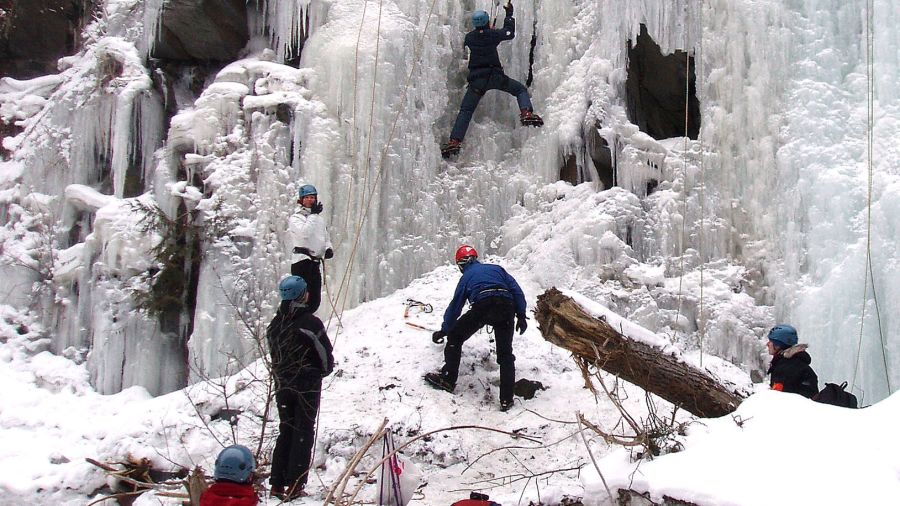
[{"x": 156, "y": 192}]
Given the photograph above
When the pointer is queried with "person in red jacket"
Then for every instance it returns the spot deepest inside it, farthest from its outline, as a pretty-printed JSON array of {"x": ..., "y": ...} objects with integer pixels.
[{"x": 234, "y": 479}]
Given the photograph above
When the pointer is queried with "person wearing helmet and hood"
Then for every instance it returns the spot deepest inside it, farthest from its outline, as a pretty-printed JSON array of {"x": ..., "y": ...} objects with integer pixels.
[
  {"x": 790, "y": 370},
  {"x": 495, "y": 299},
  {"x": 301, "y": 356},
  {"x": 486, "y": 73},
  {"x": 234, "y": 479},
  {"x": 309, "y": 243}
]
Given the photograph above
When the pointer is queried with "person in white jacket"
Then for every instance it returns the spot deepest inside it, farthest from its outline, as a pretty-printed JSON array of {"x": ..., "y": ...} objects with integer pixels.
[{"x": 309, "y": 243}]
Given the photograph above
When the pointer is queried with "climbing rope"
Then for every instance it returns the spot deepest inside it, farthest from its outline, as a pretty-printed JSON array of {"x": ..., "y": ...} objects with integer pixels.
[
  {"x": 365, "y": 183},
  {"x": 354, "y": 164},
  {"x": 684, "y": 188},
  {"x": 344, "y": 286},
  {"x": 702, "y": 179},
  {"x": 870, "y": 131}
]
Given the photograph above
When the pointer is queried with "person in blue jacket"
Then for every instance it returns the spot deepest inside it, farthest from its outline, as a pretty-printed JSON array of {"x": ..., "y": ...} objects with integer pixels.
[
  {"x": 486, "y": 73},
  {"x": 495, "y": 300}
]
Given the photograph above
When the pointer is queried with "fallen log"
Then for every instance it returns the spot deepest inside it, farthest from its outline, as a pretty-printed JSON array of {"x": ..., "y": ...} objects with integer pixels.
[{"x": 565, "y": 323}]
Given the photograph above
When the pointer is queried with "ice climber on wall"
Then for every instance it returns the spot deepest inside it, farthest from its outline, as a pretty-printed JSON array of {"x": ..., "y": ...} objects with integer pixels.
[
  {"x": 790, "y": 371},
  {"x": 309, "y": 243},
  {"x": 486, "y": 73},
  {"x": 495, "y": 299},
  {"x": 301, "y": 357}
]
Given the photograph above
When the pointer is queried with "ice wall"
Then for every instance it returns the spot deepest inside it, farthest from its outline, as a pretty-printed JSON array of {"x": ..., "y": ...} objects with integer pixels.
[
  {"x": 763, "y": 218},
  {"x": 821, "y": 225}
]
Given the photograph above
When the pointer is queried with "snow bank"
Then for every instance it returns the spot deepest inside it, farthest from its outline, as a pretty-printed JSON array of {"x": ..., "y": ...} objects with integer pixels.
[{"x": 776, "y": 448}]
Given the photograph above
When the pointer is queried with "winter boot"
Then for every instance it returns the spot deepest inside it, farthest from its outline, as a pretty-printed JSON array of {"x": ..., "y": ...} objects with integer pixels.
[
  {"x": 529, "y": 118},
  {"x": 439, "y": 381},
  {"x": 451, "y": 148},
  {"x": 505, "y": 405}
]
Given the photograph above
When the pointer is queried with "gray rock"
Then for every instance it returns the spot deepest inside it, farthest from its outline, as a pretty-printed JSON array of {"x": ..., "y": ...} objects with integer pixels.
[{"x": 201, "y": 30}]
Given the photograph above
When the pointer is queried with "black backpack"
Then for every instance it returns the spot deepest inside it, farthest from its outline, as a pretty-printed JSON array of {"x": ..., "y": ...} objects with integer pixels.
[{"x": 836, "y": 395}]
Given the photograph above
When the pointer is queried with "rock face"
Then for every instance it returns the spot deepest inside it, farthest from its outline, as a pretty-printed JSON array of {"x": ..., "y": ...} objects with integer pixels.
[
  {"x": 34, "y": 34},
  {"x": 656, "y": 90},
  {"x": 201, "y": 30}
]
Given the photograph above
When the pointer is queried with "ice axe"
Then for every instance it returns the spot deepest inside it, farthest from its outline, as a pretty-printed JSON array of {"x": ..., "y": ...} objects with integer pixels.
[{"x": 420, "y": 327}]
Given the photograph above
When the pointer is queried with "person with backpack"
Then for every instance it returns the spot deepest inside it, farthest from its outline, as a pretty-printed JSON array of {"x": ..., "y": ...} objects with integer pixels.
[
  {"x": 301, "y": 356},
  {"x": 234, "y": 479},
  {"x": 789, "y": 370},
  {"x": 495, "y": 299},
  {"x": 309, "y": 243},
  {"x": 486, "y": 73}
]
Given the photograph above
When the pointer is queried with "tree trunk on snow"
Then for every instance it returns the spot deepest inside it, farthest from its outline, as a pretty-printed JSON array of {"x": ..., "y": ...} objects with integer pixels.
[
  {"x": 566, "y": 324},
  {"x": 632, "y": 498}
]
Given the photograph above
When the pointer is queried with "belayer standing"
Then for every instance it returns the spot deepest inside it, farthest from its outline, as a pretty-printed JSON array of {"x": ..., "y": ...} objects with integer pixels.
[
  {"x": 486, "y": 73},
  {"x": 495, "y": 299},
  {"x": 309, "y": 243},
  {"x": 301, "y": 357},
  {"x": 790, "y": 370}
]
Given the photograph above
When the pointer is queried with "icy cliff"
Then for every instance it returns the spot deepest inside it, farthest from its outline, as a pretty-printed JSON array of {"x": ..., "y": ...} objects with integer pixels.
[{"x": 145, "y": 192}]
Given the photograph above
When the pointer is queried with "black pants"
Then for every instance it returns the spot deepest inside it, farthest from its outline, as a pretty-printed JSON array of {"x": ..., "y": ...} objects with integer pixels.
[
  {"x": 297, "y": 410},
  {"x": 499, "y": 313},
  {"x": 496, "y": 80},
  {"x": 309, "y": 271}
]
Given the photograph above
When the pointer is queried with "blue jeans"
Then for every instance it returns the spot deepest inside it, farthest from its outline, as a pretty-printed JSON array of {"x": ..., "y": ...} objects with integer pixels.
[{"x": 477, "y": 88}]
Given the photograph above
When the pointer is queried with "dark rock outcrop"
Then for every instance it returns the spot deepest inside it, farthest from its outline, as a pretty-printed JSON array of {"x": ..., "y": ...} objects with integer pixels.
[
  {"x": 34, "y": 34},
  {"x": 656, "y": 90},
  {"x": 201, "y": 30}
]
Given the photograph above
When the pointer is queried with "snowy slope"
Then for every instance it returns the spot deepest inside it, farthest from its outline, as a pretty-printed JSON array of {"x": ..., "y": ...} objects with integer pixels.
[{"x": 51, "y": 420}]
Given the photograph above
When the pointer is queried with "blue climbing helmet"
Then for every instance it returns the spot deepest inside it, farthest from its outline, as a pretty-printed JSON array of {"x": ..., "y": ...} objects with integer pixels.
[
  {"x": 783, "y": 336},
  {"x": 234, "y": 463},
  {"x": 480, "y": 19},
  {"x": 307, "y": 189},
  {"x": 292, "y": 287}
]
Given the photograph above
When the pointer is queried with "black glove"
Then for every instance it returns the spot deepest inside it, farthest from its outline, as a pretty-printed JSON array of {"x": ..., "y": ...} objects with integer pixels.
[
  {"x": 438, "y": 337},
  {"x": 521, "y": 324},
  {"x": 303, "y": 251},
  {"x": 328, "y": 253},
  {"x": 316, "y": 209},
  {"x": 509, "y": 9}
]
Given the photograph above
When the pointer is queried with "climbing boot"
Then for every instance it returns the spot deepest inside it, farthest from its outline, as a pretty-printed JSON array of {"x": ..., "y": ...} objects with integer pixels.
[
  {"x": 451, "y": 148},
  {"x": 529, "y": 118},
  {"x": 439, "y": 381},
  {"x": 505, "y": 405}
]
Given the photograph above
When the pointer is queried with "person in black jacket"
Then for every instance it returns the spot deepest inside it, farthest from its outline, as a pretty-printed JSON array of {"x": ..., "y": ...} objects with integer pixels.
[
  {"x": 790, "y": 370},
  {"x": 486, "y": 73},
  {"x": 301, "y": 357}
]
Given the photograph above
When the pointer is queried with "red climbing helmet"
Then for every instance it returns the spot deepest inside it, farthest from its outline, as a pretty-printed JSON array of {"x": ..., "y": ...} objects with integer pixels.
[{"x": 464, "y": 254}]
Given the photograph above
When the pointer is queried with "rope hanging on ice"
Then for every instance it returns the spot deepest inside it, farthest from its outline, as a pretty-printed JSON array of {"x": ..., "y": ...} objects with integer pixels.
[
  {"x": 365, "y": 210},
  {"x": 870, "y": 130}
]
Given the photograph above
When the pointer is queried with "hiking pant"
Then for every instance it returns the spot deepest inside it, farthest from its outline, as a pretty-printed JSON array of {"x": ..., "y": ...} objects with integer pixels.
[
  {"x": 497, "y": 80},
  {"x": 499, "y": 313},
  {"x": 309, "y": 270},
  {"x": 297, "y": 410}
]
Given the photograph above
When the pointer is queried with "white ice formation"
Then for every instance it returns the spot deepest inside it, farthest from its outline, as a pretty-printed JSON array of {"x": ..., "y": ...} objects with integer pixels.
[{"x": 762, "y": 219}]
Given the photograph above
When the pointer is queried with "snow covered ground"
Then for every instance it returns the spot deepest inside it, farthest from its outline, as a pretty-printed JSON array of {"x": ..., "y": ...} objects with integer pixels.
[
  {"x": 776, "y": 449},
  {"x": 765, "y": 217}
]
